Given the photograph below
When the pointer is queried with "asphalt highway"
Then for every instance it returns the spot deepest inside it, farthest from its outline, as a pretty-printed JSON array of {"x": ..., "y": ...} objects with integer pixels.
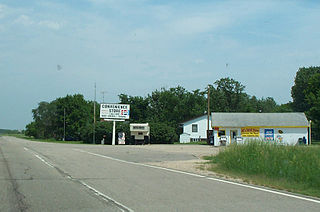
[{"x": 36, "y": 176}]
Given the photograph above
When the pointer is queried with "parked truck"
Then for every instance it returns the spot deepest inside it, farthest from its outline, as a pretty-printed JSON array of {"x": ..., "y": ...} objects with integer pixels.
[{"x": 140, "y": 133}]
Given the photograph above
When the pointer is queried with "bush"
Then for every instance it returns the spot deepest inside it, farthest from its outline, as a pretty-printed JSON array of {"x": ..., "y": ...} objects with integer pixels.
[
  {"x": 162, "y": 133},
  {"x": 31, "y": 130}
]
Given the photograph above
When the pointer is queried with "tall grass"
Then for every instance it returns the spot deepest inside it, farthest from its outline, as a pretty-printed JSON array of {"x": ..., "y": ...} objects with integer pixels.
[{"x": 299, "y": 164}]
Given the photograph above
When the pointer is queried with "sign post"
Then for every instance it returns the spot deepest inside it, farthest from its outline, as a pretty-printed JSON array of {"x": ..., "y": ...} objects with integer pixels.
[
  {"x": 114, "y": 133},
  {"x": 114, "y": 112}
]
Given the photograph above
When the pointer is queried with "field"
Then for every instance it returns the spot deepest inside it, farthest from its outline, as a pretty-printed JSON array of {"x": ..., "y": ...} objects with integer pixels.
[{"x": 292, "y": 168}]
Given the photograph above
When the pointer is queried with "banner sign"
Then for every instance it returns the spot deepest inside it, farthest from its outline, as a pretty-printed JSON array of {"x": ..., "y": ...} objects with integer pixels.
[
  {"x": 121, "y": 138},
  {"x": 114, "y": 111},
  {"x": 250, "y": 132},
  {"x": 269, "y": 134}
]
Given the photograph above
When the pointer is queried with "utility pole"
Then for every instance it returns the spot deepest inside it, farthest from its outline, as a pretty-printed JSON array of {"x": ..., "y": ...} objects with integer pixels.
[
  {"x": 208, "y": 113},
  {"x": 309, "y": 132},
  {"x": 64, "y": 124},
  {"x": 94, "y": 115}
]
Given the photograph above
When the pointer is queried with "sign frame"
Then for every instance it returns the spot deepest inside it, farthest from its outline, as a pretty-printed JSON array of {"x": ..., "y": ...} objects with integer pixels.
[
  {"x": 269, "y": 134},
  {"x": 114, "y": 112},
  {"x": 250, "y": 132}
]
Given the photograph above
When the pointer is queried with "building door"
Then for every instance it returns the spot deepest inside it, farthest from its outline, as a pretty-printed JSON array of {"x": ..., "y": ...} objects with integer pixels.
[{"x": 233, "y": 136}]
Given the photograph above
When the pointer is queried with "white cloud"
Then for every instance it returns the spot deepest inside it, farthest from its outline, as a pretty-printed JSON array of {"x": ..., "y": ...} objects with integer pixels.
[
  {"x": 24, "y": 20},
  {"x": 50, "y": 24},
  {"x": 199, "y": 61},
  {"x": 2, "y": 10},
  {"x": 197, "y": 24},
  {"x": 28, "y": 21}
]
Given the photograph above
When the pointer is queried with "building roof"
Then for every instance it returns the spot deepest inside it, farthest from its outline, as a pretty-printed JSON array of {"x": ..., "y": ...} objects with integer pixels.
[
  {"x": 195, "y": 119},
  {"x": 259, "y": 120}
]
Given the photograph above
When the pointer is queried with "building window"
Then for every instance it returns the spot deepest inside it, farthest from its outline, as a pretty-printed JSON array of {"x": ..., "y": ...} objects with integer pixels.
[
  {"x": 194, "y": 128},
  {"x": 221, "y": 133}
]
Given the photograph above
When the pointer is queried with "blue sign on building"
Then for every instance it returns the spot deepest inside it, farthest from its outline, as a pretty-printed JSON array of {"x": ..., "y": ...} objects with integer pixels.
[{"x": 269, "y": 134}]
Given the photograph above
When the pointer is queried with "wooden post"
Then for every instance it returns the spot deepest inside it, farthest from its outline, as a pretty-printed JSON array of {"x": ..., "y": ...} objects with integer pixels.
[{"x": 208, "y": 113}]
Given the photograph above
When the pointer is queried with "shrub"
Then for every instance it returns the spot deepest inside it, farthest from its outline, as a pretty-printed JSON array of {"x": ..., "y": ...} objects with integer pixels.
[{"x": 162, "y": 133}]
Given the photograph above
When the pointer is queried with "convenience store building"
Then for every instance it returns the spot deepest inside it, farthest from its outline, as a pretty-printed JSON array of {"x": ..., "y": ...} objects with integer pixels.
[{"x": 286, "y": 128}]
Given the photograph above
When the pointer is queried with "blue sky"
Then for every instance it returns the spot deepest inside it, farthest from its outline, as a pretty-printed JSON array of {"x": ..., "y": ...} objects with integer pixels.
[{"x": 138, "y": 46}]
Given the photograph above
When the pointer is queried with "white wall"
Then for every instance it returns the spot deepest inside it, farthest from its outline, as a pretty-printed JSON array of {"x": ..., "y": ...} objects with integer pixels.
[
  {"x": 202, "y": 127},
  {"x": 184, "y": 138},
  {"x": 291, "y": 135}
]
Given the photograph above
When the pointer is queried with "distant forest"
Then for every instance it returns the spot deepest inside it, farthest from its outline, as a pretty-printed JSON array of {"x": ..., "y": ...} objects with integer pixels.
[
  {"x": 166, "y": 109},
  {"x": 5, "y": 131}
]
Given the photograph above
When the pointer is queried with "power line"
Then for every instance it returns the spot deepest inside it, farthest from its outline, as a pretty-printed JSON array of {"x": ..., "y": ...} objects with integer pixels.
[{"x": 103, "y": 92}]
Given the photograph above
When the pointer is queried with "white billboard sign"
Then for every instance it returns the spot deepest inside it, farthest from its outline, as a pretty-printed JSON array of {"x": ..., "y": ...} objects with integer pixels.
[{"x": 114, "y": 111}]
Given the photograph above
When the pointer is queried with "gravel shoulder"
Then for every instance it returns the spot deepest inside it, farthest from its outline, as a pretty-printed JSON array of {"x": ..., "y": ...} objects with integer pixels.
[{"x": 197, "y": 166}]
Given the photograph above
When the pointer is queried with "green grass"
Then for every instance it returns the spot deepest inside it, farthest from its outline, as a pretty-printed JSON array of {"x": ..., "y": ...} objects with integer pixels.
[
  {"x": 315, "y": 142},
  {"x": 293, "y": 168},
  {"x": 44, "y": 140}
]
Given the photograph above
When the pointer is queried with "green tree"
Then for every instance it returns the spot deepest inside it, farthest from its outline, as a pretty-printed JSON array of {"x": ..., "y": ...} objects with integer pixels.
[
  {"x": 268, "y": 105},
  {"x": 284, "y": 108},
  {"x": 162, "y": 133},
  {"x": 170, "y": 106},
  {"x": 175, "y": 105},
  {"x": 312, "y": 93},
  {"x": 228, "y": 96},
  {"x": 31, "y": 130},
  {"x": 301, "y": 83},
  {"x": 139, "y": 107},
  {"x": 45, "y": 118},
  {"x": 49, "y": 118},
  {"x": 77, "y": 114}
]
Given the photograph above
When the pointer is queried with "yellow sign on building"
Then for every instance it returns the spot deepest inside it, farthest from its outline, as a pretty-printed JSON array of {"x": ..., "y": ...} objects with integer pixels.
[{"x": 250, "y": 131}]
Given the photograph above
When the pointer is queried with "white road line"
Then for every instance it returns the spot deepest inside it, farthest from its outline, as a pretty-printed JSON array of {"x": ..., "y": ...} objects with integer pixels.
[
  {"x": 40, "y": 158},
  {"x": 120, "y": 206},
  {"x": 141, "y": 164},
  {"x": 202, "y": 176},
  {"x": 105, "y": 196},
  {"x": 266, "y": 190},
  {"x": 47, "y": 163}
]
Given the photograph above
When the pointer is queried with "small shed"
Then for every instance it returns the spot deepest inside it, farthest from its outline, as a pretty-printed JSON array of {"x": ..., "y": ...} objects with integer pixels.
[
  {"x": 184, "y": 138},
  {"x": 286, "y": 128},
  {"x": 195, "y": 129}
]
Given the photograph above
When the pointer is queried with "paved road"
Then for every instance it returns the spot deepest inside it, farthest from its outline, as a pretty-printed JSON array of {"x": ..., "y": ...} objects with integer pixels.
[{"x": 59, "y": 177}]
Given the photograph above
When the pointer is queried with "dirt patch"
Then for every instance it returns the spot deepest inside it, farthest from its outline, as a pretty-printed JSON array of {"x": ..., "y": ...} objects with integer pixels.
[
  {"x": 196, "y": 166},
  {"x": 196, "y": 150}
]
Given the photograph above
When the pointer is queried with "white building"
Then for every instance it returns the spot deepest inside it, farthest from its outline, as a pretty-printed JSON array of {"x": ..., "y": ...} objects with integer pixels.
[
  {"x": 195, "y": 129},
  {"x": 285, "y": 128}
]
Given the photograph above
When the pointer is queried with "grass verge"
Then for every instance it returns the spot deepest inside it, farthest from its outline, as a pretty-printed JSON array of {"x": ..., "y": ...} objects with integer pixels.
[
  {"x": 315, "y": 142},
  {"x": 291, "y": 168},
  {"x": 44, "y": 140}
]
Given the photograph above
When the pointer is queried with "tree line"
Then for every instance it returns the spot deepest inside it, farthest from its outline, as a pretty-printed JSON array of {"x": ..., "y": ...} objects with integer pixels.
[
  {"x": 165, "y": 109},
  {"x": 7, "y": 131}
]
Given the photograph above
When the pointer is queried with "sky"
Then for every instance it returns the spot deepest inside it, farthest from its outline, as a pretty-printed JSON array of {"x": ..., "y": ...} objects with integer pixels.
[{"x": 54, "y": 48}]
